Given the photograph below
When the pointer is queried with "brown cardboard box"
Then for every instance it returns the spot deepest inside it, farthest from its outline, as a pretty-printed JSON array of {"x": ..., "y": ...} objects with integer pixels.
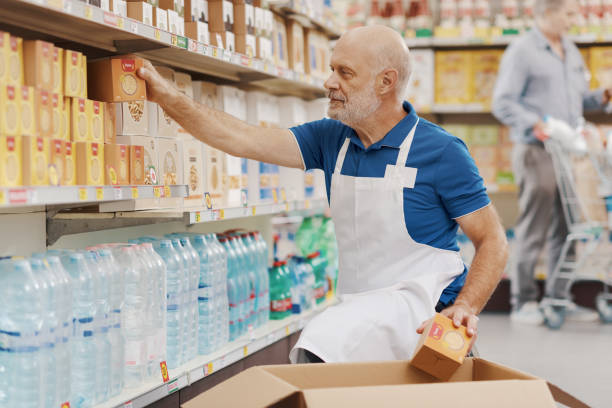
[
  {"x": 295, "y": 45},
  {"x": 38, "y": 64},
  {"x": 79, "y": 123},
  {"x": 117, "y": 164},
  {"x": 69, "y": 164},
  {"x": 193, "y": 172},
  {"x": 140, "y": 11},
  {"x": 442, "y": 348},
  {"x": 220, "y": 16},
  {"x": 89, "y": 163},
  {"x": 57, "y": 112},
  {"x": 246, "y": 44},
  {"x": 10, "y": 121},
  {"x": 58, "y": 70},
  {"x": 10, "y": 161},
  {"x": 477, "y": 384},
  {"x": 28, "y": 107},
  {"x": 43, "y": 107},
  {"x": 96, "y": 121},
  {"x": 137, "y": 169},
  {"x": 57, "y": 162},
  {"x": 160, "y": 18},
  {"x": 35, "y": 161},
  {"x": 110, "y": 131},
  {"x": 168, "y": 5},
  {"x": 197, "y": 30},
  {"x": 72, "y": 73},
  {"x": 14, "y": 56},
  {"x": 114, "y": 79}
]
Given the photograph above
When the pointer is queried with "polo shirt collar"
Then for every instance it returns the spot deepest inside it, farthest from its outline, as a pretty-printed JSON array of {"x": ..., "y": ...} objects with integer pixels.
[
  {"x": 396, "y": 136},
  {"x": 543, "y": 42}
]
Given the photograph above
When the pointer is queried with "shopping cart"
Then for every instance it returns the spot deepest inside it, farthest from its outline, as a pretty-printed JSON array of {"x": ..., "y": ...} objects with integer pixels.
[{"x": 584, "y": 179}]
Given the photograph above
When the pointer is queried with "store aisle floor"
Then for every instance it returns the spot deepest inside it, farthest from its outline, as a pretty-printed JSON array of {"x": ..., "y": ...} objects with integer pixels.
[{"x": 576, "y": 358}]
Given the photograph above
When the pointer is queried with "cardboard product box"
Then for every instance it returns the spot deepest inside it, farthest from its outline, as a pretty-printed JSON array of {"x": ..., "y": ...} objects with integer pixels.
[
  {"x": 4, "y": 56},
  {"x": 279, "y": 41},
  {"x": 140, "y": 11},
  {"x": 26, "y": 111},
  {"x": 69, "y": 164},
  {"x": 72, "y": 73},
  {"x": 38, "y": 64},
  {"x": 244, "y": 18},
  {"x": 259, "y": 20},
  {"x": 105, "y": 5},
  {"x": 463, "y": 132},
  {"x": 311, "y": 64},
  {"x": 114, "y": 79},
  {"x": 11, "y": 161},
  {"x": 160, "y": 18},
  {"x": 225, "y": 40},
  {"x": 295, "y": 45},
  {"x": 485, "y": 135},
  {"x": 316, "y": 109},
  {"x": 215, "y": 177},
  {"x": 203, "y": 9},
  {"x": 292, "y": 111},
  {"x": 220, "y": 15},
  {"x": 57, "y": 115},
  {"x": 119, "y": 7},
  {"x": 485, "y": 65},
  {"x": 131, "y": 118},
  {"x": 14, "y": 56},
  {"x": 57, "y": 162},
  {"x": 197, "y": 30},
  {"x": 193, "y": 172},
  {"x": 180, "y": 27},
  {"x": 10, "y": 121},
  {"x": 110, "y": 121},
  {"x": 196, "y": 10},
  {"x": 96, "y": 121},
  {"x": 206, "y": 94},
  {"x": 35, "y": 160},
  {"x": 233, "y": 101},
  {"x": 84, "y": 87},
  {"x": 150, "y": 156},
  {"x": 43, "y": 108},
  {"x": 420, "y": 90},
  {"x": 137, "y": 168},
  {"x": 264, "y": 49},
  {"x": 79, "y": 118},
  {"x": 246, "y": 44},
  {"x": 170, "y": 161},
  {"x": 58, "y": 70},
  {"x": 183, "y": 83},
  {"x": 89, "y": 163},
  {"x": 66, "y": 124},
  {"x": 173, "y": 21},
  {"x": 453, "y": 77}
]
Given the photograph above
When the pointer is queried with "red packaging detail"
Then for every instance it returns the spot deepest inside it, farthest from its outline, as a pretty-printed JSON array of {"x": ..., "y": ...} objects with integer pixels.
[
  {"x": 96, "y": 107},
  {"x": 55, "y": 98},
  {"x": 25, "y": 93},
  {"x": 138, "y": 153},
  {"x": 81, "y": 105},
  {"x": 278, "y": 306},
  {"x": 436, "y": 331},
  {"x": 319, "y": 293},
  {"x": 55, "y": 54},
  {"x": 10, "y": 143},
  {"x": 128, "y": 65},
  {"x": 288, "y": 304},
  {"x": 94, "y": 149},
  {"x": 68, "y": 148},
  {"x": 45, "y": 49},
  {"x": 122, "y": 151},
  {"x": 10, "y": 92},
  {"x": 13, "y": 42},
  {"x": 74, "y": 57},
  {"x": 58, "y": 146},
  {"x": 44, "y": 97},
  {"x": 39, "y": 144}
]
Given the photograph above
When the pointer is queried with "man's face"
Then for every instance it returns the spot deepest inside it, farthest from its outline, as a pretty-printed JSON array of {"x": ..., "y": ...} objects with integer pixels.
[
  {"x": 350, "y": 87},
  {"x": 560, "y": 21}
]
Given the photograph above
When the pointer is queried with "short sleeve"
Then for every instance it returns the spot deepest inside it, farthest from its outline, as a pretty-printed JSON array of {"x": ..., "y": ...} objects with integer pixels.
[
  {"x": 309, "y": 137},
  {"x": 458, "y": 182}
]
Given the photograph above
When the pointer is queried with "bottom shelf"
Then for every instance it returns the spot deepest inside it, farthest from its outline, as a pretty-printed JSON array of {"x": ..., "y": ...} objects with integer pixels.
[{"x": 202, "y": 366}]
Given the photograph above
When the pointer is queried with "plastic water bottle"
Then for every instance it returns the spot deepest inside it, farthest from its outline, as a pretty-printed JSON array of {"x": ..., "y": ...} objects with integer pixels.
[
  {"x": 159, "y": 313},
  {"x": 20, "y": 321},
  {"x": 233, "y": 289},
  {"x": 294, "y": 269},
  {"x": 243, "y": 285},
  {"x": 174, "y": 289},
  {"x": 82, "y": 346},
  {"x": 186, "y": 264},
  {"x": 254, "y": 280},
  {"x": 278, "y": 305},
  {"x": 304, "y": 238},
  {"x": 329, "y": 249},
  {"x": 206, "y": 296},
  {"x": 194, "y": 278},
  {"x": 219, "y": 255},
  {"x": 262, "y": 250}
]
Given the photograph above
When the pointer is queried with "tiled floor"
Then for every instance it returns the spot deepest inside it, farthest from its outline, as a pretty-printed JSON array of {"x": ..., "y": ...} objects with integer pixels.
[{"x": 577, "y": 358}]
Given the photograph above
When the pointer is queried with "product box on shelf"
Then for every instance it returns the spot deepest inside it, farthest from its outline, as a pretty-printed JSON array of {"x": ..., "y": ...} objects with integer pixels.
[
  {"x": 206, "y": 94},
  {"x": 220, "y": 16},
  {"x": 225, "y": 40},
  {"x": 295, "y": 45},
  {"x": 420, "y": 90},
  {"x": 69, "y": 164},
  {"x": 264, "y": 48},
  {"x": 215, "y": 178},
  {"x": 173, "y": 21},
  {"x": 485, "y": 66},
  {"x": 484, "y": 135},
  {"x": 57, "y": 162},
  {"x": 279, "y": 41},
  {"x": 43, "y": 107},
  {"x": 140, "y": 11},
  {"x": 453, "y": 77},
  {"x": 117, "y": 164},
  {"x": 314, "y": 180},
  {"x": 131, "y": 118},
  {"x": 176, "y": 5},
  {"x": 27, "y": 110},
  {"x": 66, "y": 123},
  {"x": 11, "y": 161},
  {"x": 234, "y": 168},
  {"x": 244, "y": 18},
  {"x": 57, "y": 115},
  {"x": 160, "y": 123},
  {"x": 35, "y": 160},
  {"x": 110, "y": 120},
  {"x": 89, "y": 163},
  {"x": 311, "y": 56},
  {"x": 601, "y": 67},
  {"x": 183, "y": 83},
  {"x": 137, "y": 168},
  {"x": 203, "y": 10},
  {"x": 160, "y": 18},
  {"x": 13, "y": 51},
  {"x": 79, "y": 114},
  {"x": 233, "y": 101},
  {"x": 84, "y": 88},
  {"x": 58, "y": 70},
  {"x": 246, "y": 44},
  {"x": 194, "y": 11},
  {"x": 170, "y": 161},
  {"x": 38, "y": 64},
  {"x": 114, "y": 79},
  {"x": 10, "y": 125},
  {"x": 193, "y": 172},
  {"x": 150, "y": 156},
  {"x": 72, "y": 73},
  {"x": 197, "y": 30},
  {"x": 292, "y": 112},
  {"x": 96, "y": 121},
  {"x": 119, "y": 7}
]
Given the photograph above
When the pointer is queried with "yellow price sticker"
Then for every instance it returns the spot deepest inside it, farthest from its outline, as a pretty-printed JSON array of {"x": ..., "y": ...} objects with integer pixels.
[
  {"x": 174, "y": 40},
  {"x": 245, "y": 351},
  {"x": 275, "y": 196},
  {"x": 99, "y": 193},
  {"x": 198, "y": 217},
  {"x": 287, "y": 207},
  {"x": 157, "y": 35},
  {"x": 307, "y": 204},
  {"x": 221, "y": 214},
  {"x": 82, "y": 194},
  {"x": 215, "y": 52},
  {"x": 88, "y": 13},
  {"x": 287, "y": 330},
  {"x": 283, "y": 195},
  {"x": 210, "y": 368},
  {"x": 157, "y": 192},
  {"x": 2, "y": 197},
  {"x": 134, "y": 192},
  {"x": 120, "y": 23},
  {"x": 254, "y": 210},
  {"x": 167, "y": 192}
]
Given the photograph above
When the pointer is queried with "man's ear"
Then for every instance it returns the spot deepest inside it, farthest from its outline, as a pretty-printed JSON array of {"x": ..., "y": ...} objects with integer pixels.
[{"x": 387, "y": 81}]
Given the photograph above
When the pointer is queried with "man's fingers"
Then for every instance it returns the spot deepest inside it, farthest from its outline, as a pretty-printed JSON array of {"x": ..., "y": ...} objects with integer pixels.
[
  {"x": 421, "y": 328},
  {"x": 472, "y": 325}
]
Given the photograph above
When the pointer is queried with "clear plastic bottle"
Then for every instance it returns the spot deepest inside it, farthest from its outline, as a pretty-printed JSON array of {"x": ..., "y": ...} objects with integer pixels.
[
  {"x": 243, "y": 284},
  {"x": 262, "y": 250},
  {"x": 192, "y": 299},
  {"x": 233, "y": 289},
  {"x": 159, "y": 314},
  {"x": 220, "y": 268},
  {"x": 206, "y": 296},
  {"x": 254, "y": 280},
  {"x": 186, "y": 264}
]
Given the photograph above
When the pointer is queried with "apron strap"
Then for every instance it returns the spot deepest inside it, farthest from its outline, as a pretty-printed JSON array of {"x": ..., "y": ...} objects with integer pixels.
[
  {"x": 405, "y": 146},
  {"x": 342, "y": 155}
]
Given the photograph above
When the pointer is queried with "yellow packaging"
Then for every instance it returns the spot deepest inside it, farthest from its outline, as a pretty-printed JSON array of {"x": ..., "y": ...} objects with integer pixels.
[
  {"x": 38, "y": 64},
  {"x": 65, "y": 125},
  {"x": 117, "y": 164},
  {"x": 485, "y": 65},
  {"x": 57, "y": 115},
  {"x": 4, "y": 56},
  {"x": 96, "y": 121},
  {"x": 72, "y": 73},
  {"x": 35, "y": 160},
  {"x": 28, "y": 123},
  {"x": 89, "y": 163},
  {"x": 14, "y": 54},
  {"x": 114, "y": 79},
  {"x": 69, "y": 164},
  {"x": 58, "y": 74},
  {"x": 110, "y": 131},
  {"x": 453, "y": 77},
  {"x": 295, "y": 45},
  {"x": 10, "y": 121},
  {"x": 79, "y": 127},
  {"x": 10, "y": 161},
  {"x": 601, "y": 67},
  {"x": 43, "y": 107},
  {"x": 56, "y": 162},
  {"x": 84, "y": 93}
]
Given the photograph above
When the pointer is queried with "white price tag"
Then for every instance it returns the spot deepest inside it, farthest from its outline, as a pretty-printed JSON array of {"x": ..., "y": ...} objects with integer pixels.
[
  {"x": 118, "y": 194},
  {"x": 33, "y": 196},
  {"x": 135, "y": 28}
]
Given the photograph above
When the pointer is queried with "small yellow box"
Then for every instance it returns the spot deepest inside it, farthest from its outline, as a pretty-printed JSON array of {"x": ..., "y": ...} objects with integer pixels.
[
  {"x": 27, "y": 111},
  {"x": 83, "y": 93},
  {"x": 69, "y": 164},
  {"x": 65, "y": 124},
  {"x": 110, "y": 130},
  {"x": 485, "y": 65},
  {"x": 38, "y": 64},
  {"x": 453, "y": 77},
  {"x": 57, "y": 115},
  {"x": 89, "y": 163},
  {"x": 79, "y": 127},
  {"x": 58, "y": 74},
  {"x": 56, "y": 162},
  {"x": 72, "y": 73},
  {"x": 4, "y": 56},
  {"x": 10, "y": 121},
  {"x": 43, "y": 106},
  {"x": 14, "y": 55},
  {"x": 601, "y": 67},
  {"x": 10, "y": 161},
  {"x": 35, "y": 161},
  {"x": 96, "y": 121}
]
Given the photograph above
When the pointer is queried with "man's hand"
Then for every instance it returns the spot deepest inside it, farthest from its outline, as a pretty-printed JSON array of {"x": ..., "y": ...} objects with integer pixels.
[
  {"x": 539, "y": 131},
  {"x": 461, "y": 315},
  {"x": 158, "y": 88}
]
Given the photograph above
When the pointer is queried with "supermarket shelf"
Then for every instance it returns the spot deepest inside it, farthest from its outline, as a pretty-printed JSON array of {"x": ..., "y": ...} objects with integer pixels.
[
  {"x": 496, "y": 41},
  {"x": 13, "y": 197},
  {"x": 72, "y": 23},
  {"x": 459, "y": 108},
  {"x": 203, "y": 366},
  {"x": 305, "y": 16}
]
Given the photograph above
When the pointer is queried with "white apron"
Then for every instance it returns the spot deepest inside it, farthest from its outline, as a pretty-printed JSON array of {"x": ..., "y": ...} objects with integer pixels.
[{"x": 388, "y": 284}]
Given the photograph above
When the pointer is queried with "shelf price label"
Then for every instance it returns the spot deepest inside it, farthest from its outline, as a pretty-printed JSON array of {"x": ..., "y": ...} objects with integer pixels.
[
  {"x": 157, "y": 192},
  {"x": 82, "y": 194},
  {"x": 174, "y": 40},
  {"x": 99, "y": 193},
  {"x": 215, "y": 52},
  {"x": 198, "y": 217},
  {"x": 167, "y": 192},
  {"x": 134, "y": 192},
  {"x": 164, "y": 371},
  {"x": 307, "y": 204},
  {"x": 287, "y": 207},
  {"x": 245, "y": 351},
  {"x": 117, "y": 193},
  {"x": 208, "y": 201},
  {"x": 120, "y": 23},
  {"x": 65, "y": 405},
  {"x": 221, "y": 214},
  {"x": 254, "y": 210},
  {"x": 172, "y": 386},
  {"x": 286, "y": 330},
  {"x": 56, "y": 3},
  {"x": 157, "y": 34},
  {"x": 88, "y": 13},
  {"x": 208, "y": 369},
  {"x": 275, "y": 196},
  {"x": 2, "y": 197},
  {"x": 128, "y": 405}
]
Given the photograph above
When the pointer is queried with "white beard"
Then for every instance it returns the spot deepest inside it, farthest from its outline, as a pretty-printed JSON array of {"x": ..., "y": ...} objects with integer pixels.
[{"x": 361, "y": 105}]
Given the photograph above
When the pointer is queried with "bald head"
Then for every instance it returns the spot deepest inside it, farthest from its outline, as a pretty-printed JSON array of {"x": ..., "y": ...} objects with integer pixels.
[{"x": 382, "y": 48}]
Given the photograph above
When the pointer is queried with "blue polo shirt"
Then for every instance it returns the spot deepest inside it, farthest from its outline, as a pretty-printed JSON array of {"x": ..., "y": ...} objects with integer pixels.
[{"x": 448, "y": 185}]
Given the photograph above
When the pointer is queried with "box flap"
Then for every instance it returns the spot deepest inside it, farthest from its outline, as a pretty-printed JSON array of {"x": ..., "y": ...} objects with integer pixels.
[
  {"x": 486, "y": 370},
  {"x": 564, "y": 398},
  {"x": 329, "y": 375},
  {"x": 253, "y": 387},
  {"x": 481, "y": 394}
]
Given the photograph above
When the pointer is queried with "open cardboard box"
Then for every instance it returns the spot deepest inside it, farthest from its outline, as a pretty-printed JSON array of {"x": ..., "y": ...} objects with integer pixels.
[{"x": 477, "y": 383}]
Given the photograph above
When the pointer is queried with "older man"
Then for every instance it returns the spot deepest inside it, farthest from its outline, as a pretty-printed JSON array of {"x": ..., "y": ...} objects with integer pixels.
[
  {"x": 541, "y": 73},
  {"x": 398, "y": 186}
]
